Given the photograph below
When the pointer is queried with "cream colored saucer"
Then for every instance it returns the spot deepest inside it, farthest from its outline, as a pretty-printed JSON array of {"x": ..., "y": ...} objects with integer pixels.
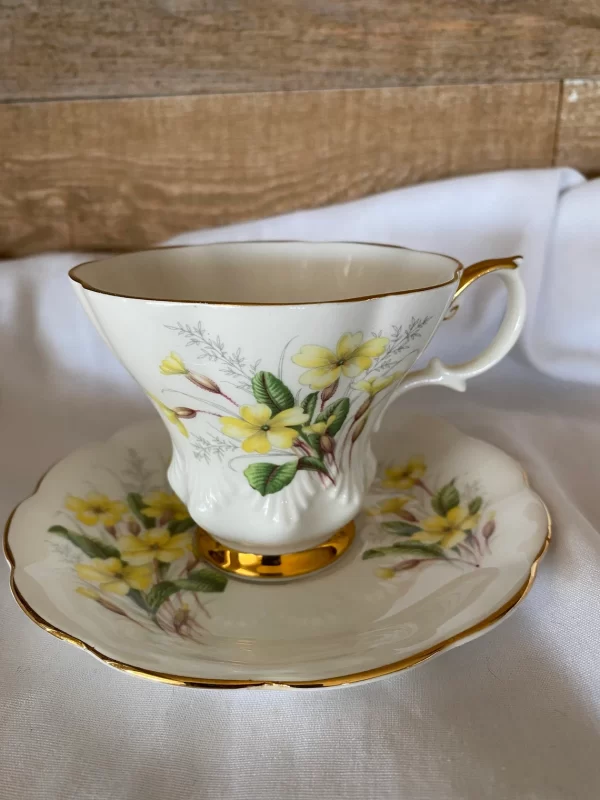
[{"x": 103, "y": 555}]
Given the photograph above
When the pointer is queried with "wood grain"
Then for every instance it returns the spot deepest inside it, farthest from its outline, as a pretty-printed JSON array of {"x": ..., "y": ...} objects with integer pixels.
[
  {"x": 128, "y": 173},
  {"x": 578, "y": 141},
  {"x": 111, "y": 48}
]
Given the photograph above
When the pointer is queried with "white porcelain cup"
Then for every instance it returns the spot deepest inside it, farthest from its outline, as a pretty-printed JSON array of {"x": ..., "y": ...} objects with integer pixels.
[{"x": 272, "y": 363}]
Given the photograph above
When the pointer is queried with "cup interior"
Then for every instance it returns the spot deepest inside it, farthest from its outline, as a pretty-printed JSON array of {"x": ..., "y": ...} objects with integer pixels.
[{"x": 264, "y": 273}]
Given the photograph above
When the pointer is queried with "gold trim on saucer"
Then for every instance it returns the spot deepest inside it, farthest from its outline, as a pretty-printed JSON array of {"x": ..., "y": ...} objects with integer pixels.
[
  {"x": 265, "y": 568},
  {"x": 216, "y": 683}
]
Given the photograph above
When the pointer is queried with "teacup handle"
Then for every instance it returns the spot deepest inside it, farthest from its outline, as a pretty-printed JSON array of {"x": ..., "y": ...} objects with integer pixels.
[{"x": 455, "y": 377}]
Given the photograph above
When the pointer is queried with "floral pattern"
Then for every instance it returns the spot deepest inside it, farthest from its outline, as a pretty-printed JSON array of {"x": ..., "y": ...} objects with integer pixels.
[
  {"x": 423, "y": 524},
  {"x": 314, "y": 430},
  {"x": 137, "y": 557}
]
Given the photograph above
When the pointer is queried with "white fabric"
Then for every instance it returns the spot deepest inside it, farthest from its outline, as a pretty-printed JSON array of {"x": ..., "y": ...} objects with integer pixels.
[{"x": 515, "y": 714}]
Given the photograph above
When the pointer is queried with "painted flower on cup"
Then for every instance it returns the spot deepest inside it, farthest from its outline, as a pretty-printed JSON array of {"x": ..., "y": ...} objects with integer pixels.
[
  {"x": 393, "y": 505},
  {"x": 404, "y": 476},
  {"x": 162, "y": 504},
  {"x": 112, "y": 575},
  {"x": 320, "y": 427},
  {"x": 170, "y": 414},
  {"x": 173, "y": 365},
  {"x": 260, "y": 430},
  {"x": 352, "y": 356},
  {"x": 96, "y": 508},
  {"x": 447, "y": 530},
  {"x": 156, "y": 544},
  {"x": 373, "y": 386}
]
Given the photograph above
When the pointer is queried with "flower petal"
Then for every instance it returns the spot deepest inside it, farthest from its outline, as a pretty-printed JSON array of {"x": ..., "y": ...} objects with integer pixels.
[
  {"x": 347, "y": 344},
  {"x": 236, "y": 428},
  {"x": 130, "y": 544},
  {"x": 181, "y": 540},
  {"x": 257, "y": 443},
  {"x": 88, "y": 572},
  {"x": 456, "y": 516},
  {"x": 140, "y": 558},
  {"x": 311, "y": 355},
  {"x": 138, "y": 577},
  {"x": 73, "y": 503},
  {"x": 173, "y": 365},
  {"x": 365, "y": 386},
  {"x": 372, "y": 347},
  {"x": 283, "y": 438},
  {"x": 453, "y": 538},
  {"x": 155, "y": 536},
  {"x": 168, "y": 555},
  {"x": 291, "y": 416},
  {"x": 320, "y": 377},
  {"x": 427, "y": 537},
  {"x": 355, "y": 365},
  {"x": 256, "y": 415},
  {"x": 435, "y": 524},
  {"x": 87, "y": 517},
  {"x": 116, "y": 587}
]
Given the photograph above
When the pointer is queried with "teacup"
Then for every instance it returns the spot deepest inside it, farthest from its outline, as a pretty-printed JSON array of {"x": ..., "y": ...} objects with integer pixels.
[{"x": 272, "y": 364}]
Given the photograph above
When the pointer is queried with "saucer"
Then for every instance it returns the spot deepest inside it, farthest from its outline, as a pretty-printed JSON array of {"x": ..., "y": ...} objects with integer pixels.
[{"x": 447, "y": 544}]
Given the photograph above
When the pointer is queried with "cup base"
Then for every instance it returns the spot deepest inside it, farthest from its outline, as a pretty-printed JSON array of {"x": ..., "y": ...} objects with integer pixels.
[{"x": 271, "y": 568}]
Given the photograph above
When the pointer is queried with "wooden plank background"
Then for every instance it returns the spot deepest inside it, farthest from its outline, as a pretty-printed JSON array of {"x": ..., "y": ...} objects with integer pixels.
[
  {"x": 108, "y": 48},
  {"x": 190, "y": 121},
  {"x": 155, "y": 167}
]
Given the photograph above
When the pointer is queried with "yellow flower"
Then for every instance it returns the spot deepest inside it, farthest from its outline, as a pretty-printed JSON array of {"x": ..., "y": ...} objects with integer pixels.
[
  {"x": 96, "y": 508},
  {"x": 92, "y": 594},
  {"x": 157, "y": 504},
  {"x": 447, "y": 531},
  {"x": 170, "y": 415},
  {"x": 112, "y": 575},
  {"x": 156, "y": 543},
  {"x": 391, "y": 506},
  {"x": 406, "y": 476},
  {"x": 385, "y": 573},
  {"x": 173, "y": 365},
  {"x": 260, "y": 431},
  {"x": 373, "y": 386},
  {"x": 320, "y": 427},
  {"x": 352, "y": 356}
]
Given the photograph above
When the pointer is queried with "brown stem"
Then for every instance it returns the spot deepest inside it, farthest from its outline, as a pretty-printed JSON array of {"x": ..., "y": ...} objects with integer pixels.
[
  {"x": 231, "y": 400},
  {"x": 423, "y": 486}
]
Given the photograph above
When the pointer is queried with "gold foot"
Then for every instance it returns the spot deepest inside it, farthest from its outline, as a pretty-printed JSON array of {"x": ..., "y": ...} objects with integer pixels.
[{"x": 271, "y": 568}]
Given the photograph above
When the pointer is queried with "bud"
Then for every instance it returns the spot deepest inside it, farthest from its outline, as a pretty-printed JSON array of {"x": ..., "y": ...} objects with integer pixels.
[
  {"x": 385, "y": 573},
  {"x": 327, "y": 443},
  {"x": 356, "y": 432},
  {"x": 186, "y": 413},
  {"x": 363, "y": 408},
  {"x": 110, "y": 529},
  {"x": 203, "y": 382},
  {"x": 407, "y": 516},
  {"x": 488, "y": 529},
  {"x": 408, "y": 564},
  {"x": 329, "y": 391},
  {"x": 134, "y": 527}
]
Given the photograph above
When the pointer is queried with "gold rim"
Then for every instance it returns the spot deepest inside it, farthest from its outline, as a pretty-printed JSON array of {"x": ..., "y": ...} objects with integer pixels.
[
  {"x": 89, "y": 288},
  {"x": 274, "y": 568},
  {"x": 215, "y": 683}
]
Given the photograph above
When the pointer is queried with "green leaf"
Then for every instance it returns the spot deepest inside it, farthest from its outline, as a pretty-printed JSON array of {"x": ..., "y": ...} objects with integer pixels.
[
  {"x": 401, "y": 528},
  {"x": 159, "y": 593},
  {"x": 94, "y": 548},
  {"x": 270, "y": 478},
  {"x": 272, "y": 392},
  {"x": 339, "y": 408},
  {"x": 180, "y": 525},
  {"x": 445, "y": 499},
  {"x": 407, "y": 548},
  {"x": 314, "y": 441},
  {"x": 475, "y": 505},
  {"x": 202, "y": 580},
  {"x": 314, "y": 464},
  {"x": 136, "y": 504},
  {"x": 309, "y": 404},
  {"x": 139, "y": 599}
]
